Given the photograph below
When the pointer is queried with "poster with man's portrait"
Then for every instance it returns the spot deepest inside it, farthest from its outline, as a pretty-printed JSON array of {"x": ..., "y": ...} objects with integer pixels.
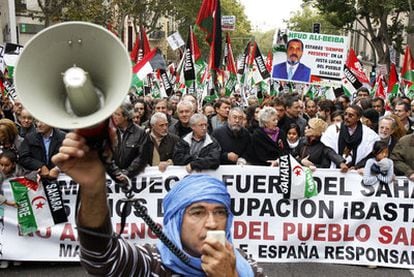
[{"x": 310, "y": 58}]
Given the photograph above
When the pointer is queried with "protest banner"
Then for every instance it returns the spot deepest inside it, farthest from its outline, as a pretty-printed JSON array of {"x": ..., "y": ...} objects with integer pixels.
[
  {"x": 323, "y": 54},
  {"x": 346, "y": 223}
]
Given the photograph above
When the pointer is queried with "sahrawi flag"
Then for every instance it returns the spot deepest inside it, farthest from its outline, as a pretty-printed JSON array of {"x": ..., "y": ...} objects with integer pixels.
[
  {"x": 150, "y": 63},
  {"x": 40, "y": 205},
  {"x": 209, "y": 20},
  {"x": 295, "y": 180}
]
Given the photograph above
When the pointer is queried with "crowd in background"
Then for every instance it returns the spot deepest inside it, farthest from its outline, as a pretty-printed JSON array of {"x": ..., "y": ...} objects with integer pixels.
[
  {"x": 181, "y": 130},
  {"x": 370, "y": 135}
]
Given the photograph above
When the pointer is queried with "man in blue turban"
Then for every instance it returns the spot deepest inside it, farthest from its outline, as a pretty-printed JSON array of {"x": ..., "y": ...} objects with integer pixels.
[{"x": 195, "y": 205}]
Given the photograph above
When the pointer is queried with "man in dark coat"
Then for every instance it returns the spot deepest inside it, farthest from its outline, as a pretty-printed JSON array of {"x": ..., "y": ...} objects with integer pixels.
[
  {"x": 185, "y": 109},
  {"x": 38, "y": 147},
  {"x": 161, "y": 143},
  {"x": 233, "y": 138},
  {"x": 198, "y": 150},
  {"x": 130, "y": 156}
]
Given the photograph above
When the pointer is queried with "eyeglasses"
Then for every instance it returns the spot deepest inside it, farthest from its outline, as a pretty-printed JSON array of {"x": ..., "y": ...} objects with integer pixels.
[{"x": 201, "y": 214}]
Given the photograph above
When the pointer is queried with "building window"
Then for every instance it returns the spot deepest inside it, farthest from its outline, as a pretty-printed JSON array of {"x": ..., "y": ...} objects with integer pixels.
[{"x": 21, "y": 5}]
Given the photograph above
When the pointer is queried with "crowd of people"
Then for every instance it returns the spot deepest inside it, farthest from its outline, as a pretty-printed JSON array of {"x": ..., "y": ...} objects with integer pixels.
[{"x": 367, "y": 134}]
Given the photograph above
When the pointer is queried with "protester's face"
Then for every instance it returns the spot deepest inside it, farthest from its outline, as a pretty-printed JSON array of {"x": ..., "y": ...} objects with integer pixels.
[
  {"x": 272, "y": 123},
  {"x": 161, "y": 107},
  {"x": 294, "y": 51},
  {"x": 401, "y": 112},
  {"x": 43, "y": 128},
  {"x": 311, "y": 109},
  {"x": 385, "y": 129},
  {"x": 351, "y": 117},
  {"x": 294, "y": 110},
  {"x": 292, "y": 135},
  {"x": 343, "y": 102},
  {"x": 26, "y": 119},
  {"x": 256, "y": 113},
  {"x": 280, "y": 111},
  {"x": 137, "y": 118},
  {"x": 17, "y": 107},
  {"x": 199, "y": 218},
  {"x": 184, "y": 113},
  {"x": 381, "y": 155},
  {"x": 235, "y": 120},
  {"x": 310, "y": 132},
  {"x": 362, "y": 94},
  {"x": 200, "y": 129},
  {"x": 174, "y": 102},
  {"x": 190, "y": 98},
  {"x": 6, "y": 165},
  {"x": 160, "y": 128},
  {"x": 223, "y": 110},
  {"x": 118, "y": 118},
  {"x": 139, "y": 108},
  {"x": 337, "y": 119},
  {"x": 377, "y": 105},
  {"x": 208, "y": 111}
]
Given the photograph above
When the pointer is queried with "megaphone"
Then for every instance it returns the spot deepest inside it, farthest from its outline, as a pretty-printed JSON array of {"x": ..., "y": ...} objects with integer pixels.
[{"x": 73, "y": 75}]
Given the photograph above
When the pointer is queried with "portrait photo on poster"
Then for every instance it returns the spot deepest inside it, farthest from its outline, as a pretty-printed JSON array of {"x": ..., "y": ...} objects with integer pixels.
[
  {"x": 292, "y": 69},
  {"x": 312, "y": 58}
]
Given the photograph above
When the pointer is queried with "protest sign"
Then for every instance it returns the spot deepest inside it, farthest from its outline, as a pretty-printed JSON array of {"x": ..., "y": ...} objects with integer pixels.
[
  {"x": 346, "y": 223},
  {"x": 323, "y": 54}
]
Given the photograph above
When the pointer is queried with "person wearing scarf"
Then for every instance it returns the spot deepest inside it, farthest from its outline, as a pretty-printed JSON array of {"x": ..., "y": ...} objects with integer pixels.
[
  {"x": 269, "y": 140},
  {"x": 351, "y": 139},
  {"x": 194, "y": 205},
  {"x": 200, "y": 190}
]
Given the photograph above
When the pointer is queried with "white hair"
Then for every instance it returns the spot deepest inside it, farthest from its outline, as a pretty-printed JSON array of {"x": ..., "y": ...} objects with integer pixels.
[
  {"x": 157, "y": 116},
  {"x": 265, "y": 114}
]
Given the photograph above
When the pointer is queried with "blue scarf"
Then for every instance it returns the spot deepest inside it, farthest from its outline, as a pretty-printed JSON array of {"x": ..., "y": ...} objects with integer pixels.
[{"x": 194, "y": 188}]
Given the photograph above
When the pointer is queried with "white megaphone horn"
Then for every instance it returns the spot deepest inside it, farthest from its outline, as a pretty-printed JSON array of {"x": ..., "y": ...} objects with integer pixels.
[{"x": 73, "y": 75}]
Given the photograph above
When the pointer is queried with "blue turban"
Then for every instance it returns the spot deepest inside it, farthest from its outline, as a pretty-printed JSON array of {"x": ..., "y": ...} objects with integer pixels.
[{"x": 191, "y": 189}]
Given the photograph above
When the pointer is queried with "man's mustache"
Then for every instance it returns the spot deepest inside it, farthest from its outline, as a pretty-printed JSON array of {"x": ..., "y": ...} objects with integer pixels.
[{"x": 294, "y": 55}]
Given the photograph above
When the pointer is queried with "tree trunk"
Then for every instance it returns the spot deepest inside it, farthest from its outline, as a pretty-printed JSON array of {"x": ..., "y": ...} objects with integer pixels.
[{"x": 410, "y": 35}]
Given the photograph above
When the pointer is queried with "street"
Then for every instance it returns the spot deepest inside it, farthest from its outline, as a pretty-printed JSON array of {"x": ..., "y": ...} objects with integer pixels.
[{"x": 34, "y": 269}]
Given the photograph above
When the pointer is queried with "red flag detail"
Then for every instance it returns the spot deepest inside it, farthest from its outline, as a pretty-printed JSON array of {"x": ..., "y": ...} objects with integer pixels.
[
  {"x": 209, "y": 20},
  {"x": 379, "y": 84},
  {"x": 230, "y": 63},
  {"x": 269, "y": 61},
  {"x": 393, "y": 78},
  {"x": 30, "y": 184},
  {"x": 355, "y": 67}
]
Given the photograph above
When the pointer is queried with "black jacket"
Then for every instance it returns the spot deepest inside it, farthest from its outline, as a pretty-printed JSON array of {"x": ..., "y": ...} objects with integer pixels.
[
  {"x": 179, "y": 130},
  {"x": 208, "y": 158},
  {"x": 229, "y": 142},
  {"x": 319, "y": 154},
  {"x": 131, "y": 153},
  {"x": 165, "y": 149},
  {"x": 32, "y": 152},
  {"x": 263, "y": 148}
]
